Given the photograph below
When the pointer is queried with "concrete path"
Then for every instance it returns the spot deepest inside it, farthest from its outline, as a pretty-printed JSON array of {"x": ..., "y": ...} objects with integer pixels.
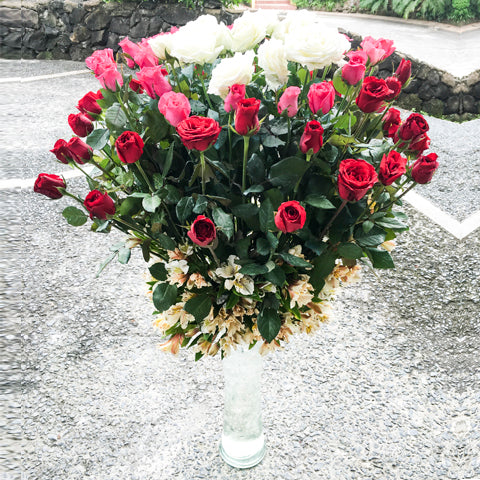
[{"x": 389, "y": 389}]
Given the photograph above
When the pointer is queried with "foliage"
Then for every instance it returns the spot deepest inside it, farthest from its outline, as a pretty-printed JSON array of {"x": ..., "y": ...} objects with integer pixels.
[{"x": 327, "y": 5}]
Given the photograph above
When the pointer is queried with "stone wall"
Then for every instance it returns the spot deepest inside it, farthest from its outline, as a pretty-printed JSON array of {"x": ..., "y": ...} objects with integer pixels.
[{"x": 72, "y": 29}]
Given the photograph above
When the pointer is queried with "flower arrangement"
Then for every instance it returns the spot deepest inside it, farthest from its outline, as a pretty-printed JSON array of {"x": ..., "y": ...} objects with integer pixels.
[{"x": 254, "y": 165}]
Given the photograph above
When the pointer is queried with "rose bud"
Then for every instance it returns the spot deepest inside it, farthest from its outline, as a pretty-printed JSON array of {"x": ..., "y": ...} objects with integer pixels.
[
  {"x": 391, "y": 122},
  {"x": 424, "y": 168},
  {"x": 420, "y": 143},
  {"x": 312, "y": 140},
  {"x": 414, "y": 126},
  {"x": 404, "y": 71},
  {"x": 175, "y": 107},
  {"x": 136, "y": 86},
  {"x": 80, "y": 151},
  {"x": 100, "y": 60},
  {"x": 202, "y": 232},
  {"x": 353, "y": 71},
  {"x": 88, "y": 103},
  {"x": 321, "y": 97},
  {"x": 395, "y": 86},
  {"x": 235, "y": 94},
  {"x": 289, "y": 101},
  {"x": 355, "y": 179},
  {"x": 61, "y": 151},
  {"x": 48, "y": 185},
  {"x": 377, "y": 50},
  {"x": 129, "y": 146},
  {"x": 290, "y": 217},
  {"x": 99, "y": 204},
  {"x": 198, "y": 133},
  {"x": 110, "y": 77},
  {"x": 80, "y": 124},
  {"x": 153, "y": 81},
  {"x": 372, "y": 95},
  {"x": 131, "y": 49},
  {"x": 246, "y": 117},
  {"x": 392, "y": 167}
]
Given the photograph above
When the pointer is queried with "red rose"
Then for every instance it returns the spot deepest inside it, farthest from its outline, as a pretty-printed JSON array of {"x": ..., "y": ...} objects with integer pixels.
[
  {"x": 321, "y": 97},
  {"x": 235, "y": 94},
  {"x": 80, "y": 152},
  {"x": 414, "y": 126},
  {"x": 198, "y": 133},
  {"x": 424, "y": 168},
  {"x": 392, "y": 166},
  {"x": 391, "y": 122},
  {"x": 99, "y": 205},
  {"x": 88, "y": 103},
  {"x": 420, "y": 143},
  {"x": 395, "y": 86},
  {"x": 355, "y": 179},
  {"x": 353, "y": 72},
  {"x": 61, "y": 151},
  {"x": 136, "y": 86},
  {"x": 372, "y": 95},
  {"x": 246, "y": 117},
  {"x": 202, "y": 232},
  {"x": 404, "y": 71},
  {"x": 290, "y": 217},
  {"x": 129, "y": 146},
  {"x": 80, "y": 124},
  {"x": 48, "y": 185},
  {"x": 312, "y": 139}
]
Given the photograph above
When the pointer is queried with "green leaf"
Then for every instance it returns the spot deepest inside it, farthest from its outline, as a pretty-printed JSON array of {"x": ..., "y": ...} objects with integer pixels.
[
  {"x": 157, "y": 181},
  {"x": 266, "y": 215},
  {"x": 165, "y": 241},
  {"x": 164, "y": 296},
  {"x": 158, "y": 271},
  {"x": 287, "y": 172},
  {"x": 98, "y": 138},
  {"x": 168, "y": 160},
  {"x": 254, "y": 269},
  {"x": 393, "y": 223},
  {"x": 232, "y": 301},
  {"x": 263, "y": 246},
  {"x": 150, "y": 204},
  {"x": 319, "y": 201},
  {"x": 105, "y": 263},
  {"x": 276, "y": 276},
  {"x": 367, "y": 225},
  {"x": 380, "y": 258},
  {"x": 124, "y": 255},
  {"x": 322, "y": 267},
  {"x": 340, "y": 86},
  {"x": 184, "y": 208},
  {"x": 115, "y": 117},
  {"x": 74, "y": 216},
  {"x": 174, "y": 195},
  {"x": 242, "y": 246},
  {"x": 374, "y": 237},
  {"x": 272, "y": 240},
  {"x": 256, "y": 169},
  {"x": 272, "y": 141},
  {"x": 199, "y": 306},
  {"x": 201, "y": 204},
  {"x": 223, "y": 221},
  {"x": 341, "y": 140},
  {"x": 350, "y": 250},
  {"x": 245, "y": 211},
  {"x": 269, "y": 324},
  {"x": 294, "y": 260}
]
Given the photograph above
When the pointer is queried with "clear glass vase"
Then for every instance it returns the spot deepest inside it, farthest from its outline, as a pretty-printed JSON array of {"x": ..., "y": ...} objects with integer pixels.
[{"x": 243, "y": 442}]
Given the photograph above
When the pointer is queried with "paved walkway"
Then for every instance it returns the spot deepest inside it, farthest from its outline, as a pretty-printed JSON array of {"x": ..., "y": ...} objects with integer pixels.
[{"x": 389, "y": 389}]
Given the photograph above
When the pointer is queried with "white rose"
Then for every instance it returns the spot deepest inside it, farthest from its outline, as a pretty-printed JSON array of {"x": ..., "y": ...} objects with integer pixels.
[
  {"x": 272, "y": 58},
  {"x": 197, "y": 41},
  {"x": 248, "y": 30},
  {"x": 315, "y": 47},
  {"x": 161, "y": 42},
  {"x": 294, "y": 20},
  {"x": 237, "y": 69}
]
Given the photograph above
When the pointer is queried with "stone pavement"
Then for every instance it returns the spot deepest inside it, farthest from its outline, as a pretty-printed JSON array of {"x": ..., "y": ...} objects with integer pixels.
[{"x": 389, "y": 389}]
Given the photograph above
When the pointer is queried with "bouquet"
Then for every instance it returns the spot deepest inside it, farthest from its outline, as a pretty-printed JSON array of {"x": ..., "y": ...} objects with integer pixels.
[{"x": 255, "y": 166}]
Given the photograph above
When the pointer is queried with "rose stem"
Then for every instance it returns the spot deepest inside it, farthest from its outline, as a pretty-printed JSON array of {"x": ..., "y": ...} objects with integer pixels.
[
  {"x": 144, "y": 175},
  {"x": 246, "y": 141},
  {"x": 340, "y": 208}
]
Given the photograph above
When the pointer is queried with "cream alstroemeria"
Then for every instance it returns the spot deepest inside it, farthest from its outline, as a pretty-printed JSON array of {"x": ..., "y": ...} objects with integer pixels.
[
  {"x": 177, "y": 271},
  {"x": 230, "y": 269},
  {"x": 241, "y": 283},
  {"x": 230, "y": 71},
  {"x": 300, "y": 291},
  {"x": 272, "y": 58}
]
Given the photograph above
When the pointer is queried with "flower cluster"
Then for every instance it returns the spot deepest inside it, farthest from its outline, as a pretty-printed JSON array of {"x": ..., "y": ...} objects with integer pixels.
[{"x": 254, "y": 165}]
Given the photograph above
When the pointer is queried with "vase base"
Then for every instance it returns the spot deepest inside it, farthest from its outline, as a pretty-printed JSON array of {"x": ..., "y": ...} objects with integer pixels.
[{"x": 240, "y": 457}]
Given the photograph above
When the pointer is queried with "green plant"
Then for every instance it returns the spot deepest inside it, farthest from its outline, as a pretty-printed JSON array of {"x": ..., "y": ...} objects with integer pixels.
[
  {"x": 328, "y": 5},
  {"x": 461, "y": 10}
]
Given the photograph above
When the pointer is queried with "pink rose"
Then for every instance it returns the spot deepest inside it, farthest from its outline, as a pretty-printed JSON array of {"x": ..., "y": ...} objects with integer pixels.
[
  {"x": 353, "y": 72},
  {"x": 175, "y": 107},
  {"x": 289, "y": 101},
  {"x": 110, "y": 77},
  {"x": 99, "y": 60},
  {"x": 131, "y": 49},
  {"x": 153, "y": 81},
  {"x": 145, "y": 57},
  {"x": 377, "y": 50},
  {"x": 321, "y": 97},
  {"x": 358, "y": 56},
  {"x": 235, "y": 93}
]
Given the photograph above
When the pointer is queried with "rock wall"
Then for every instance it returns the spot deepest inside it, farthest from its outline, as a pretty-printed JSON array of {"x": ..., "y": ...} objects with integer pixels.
[{"x": 73, "y": 29}]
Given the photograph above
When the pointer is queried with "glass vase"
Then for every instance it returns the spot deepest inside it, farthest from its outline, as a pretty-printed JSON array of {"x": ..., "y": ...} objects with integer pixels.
[{"x": 243, "y": 442}]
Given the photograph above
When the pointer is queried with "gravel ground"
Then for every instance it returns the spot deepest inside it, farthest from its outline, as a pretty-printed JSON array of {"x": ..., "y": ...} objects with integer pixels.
[{"x": 389, "y": 389}]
